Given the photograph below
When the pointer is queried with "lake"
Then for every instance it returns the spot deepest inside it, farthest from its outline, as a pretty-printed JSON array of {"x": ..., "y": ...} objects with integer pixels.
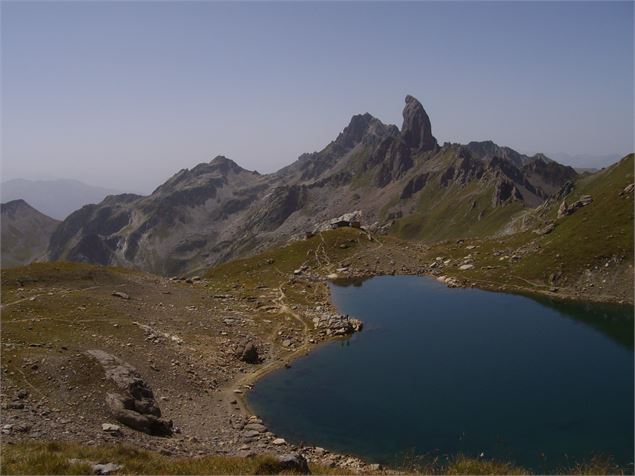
[{"x": 440, "y": 371}]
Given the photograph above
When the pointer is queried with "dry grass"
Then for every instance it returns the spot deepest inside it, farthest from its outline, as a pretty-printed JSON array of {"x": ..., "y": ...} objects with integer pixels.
[{"x": 55, "y": 458}]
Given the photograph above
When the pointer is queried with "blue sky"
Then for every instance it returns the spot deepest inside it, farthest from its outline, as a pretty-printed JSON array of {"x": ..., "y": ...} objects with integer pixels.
[{"x": 124, "y": 94}]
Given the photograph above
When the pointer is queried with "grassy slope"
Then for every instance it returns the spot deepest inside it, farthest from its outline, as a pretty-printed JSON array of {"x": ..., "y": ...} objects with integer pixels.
[
  {"x": 442, "y": 214},
  {"x": 53, "y": 458},
  {"x": 595, "y": 233},
  {"x": 578, "y": 249}
]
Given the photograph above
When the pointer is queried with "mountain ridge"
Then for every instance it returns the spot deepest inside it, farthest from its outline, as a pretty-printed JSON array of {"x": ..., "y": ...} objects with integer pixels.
[
  {"x": 216, "y": 211},
  {"x": 25, "y": 233}
]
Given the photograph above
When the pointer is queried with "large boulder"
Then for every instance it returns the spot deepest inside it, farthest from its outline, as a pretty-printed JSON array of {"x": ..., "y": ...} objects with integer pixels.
[
  {"x": 250, "y": 354},
  {"x": 135, "y": 405},
  {"x": 292, "y": 462}
]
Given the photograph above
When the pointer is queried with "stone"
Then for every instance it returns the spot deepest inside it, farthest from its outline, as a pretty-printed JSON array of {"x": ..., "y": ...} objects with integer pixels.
[
  {"x": 135, "y": 406},
  {"x": 546, "y": 230},
  {"x": 250, "y": 354},
  {"x": 279, "y": 441},
  {"x": 120, "y": 294},
  {"x": 465, "y": 267},
  {"x": 22, "y": 394},
  {"x": 628, "y": 189},
  {"x": 260, "y": 428},
  {"x": 107, "y": 468},
  {"x": 120, "y": 408},
  {"x": 294, "y": 462},
  {"x": 565, "y": 209},
  {"x": 110, "y": 428}
]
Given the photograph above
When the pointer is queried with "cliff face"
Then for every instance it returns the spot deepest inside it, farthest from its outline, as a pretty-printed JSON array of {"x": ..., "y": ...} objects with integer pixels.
[{"x": 217, "y": 210}]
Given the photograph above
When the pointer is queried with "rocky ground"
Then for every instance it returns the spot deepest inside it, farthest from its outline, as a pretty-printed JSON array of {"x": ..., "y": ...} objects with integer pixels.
[
  {"x": 86, "y": 349},
  {"x": 196, "y": 344}
]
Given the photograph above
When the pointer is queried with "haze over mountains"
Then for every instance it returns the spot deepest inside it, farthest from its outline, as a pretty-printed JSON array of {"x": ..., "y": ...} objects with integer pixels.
[
  {"x": 25, "y": 233},
  {"x": 398, "y": 178},
  {"x": 56, "y": 198}
]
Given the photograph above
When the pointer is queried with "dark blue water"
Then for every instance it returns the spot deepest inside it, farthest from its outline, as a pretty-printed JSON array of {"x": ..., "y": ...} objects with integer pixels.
[{"x": 440, "y": 371}]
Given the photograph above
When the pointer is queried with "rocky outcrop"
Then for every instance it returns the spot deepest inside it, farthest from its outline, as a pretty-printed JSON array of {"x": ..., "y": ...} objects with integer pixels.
[
  {"x": 416, "y": 130},
  {"x": 414, "y": 185},
  {"x": 394, "y": 159},
  {"x": 505, "y": 191},
  {"x": 134, "y": 405},
  {"x": 565, "y": 209},
  {"x": 337, "y": 325}
]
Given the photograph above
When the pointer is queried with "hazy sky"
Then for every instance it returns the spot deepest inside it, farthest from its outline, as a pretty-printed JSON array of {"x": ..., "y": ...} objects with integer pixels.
[{"x": 124, "y": 94}]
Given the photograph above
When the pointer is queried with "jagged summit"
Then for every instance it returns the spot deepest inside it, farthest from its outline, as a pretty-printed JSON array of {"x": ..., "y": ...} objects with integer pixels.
[
  {"x": 364, "y": 128},
  {"x": 416, "y": 130},
  {"x": 402, "y": 179}
]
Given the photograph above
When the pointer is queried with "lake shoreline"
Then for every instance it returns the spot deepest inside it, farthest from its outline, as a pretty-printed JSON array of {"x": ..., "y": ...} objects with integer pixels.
[{"x": 306, "y": 348}]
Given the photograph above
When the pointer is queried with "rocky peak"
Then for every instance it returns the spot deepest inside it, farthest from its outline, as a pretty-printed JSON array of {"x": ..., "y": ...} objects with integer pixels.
[
  {"x": 224, "y": 165},
  {"x": 361, "y": 127},
  {"x": 15, "y": 206},
  {"x": 416, "y": 130}
]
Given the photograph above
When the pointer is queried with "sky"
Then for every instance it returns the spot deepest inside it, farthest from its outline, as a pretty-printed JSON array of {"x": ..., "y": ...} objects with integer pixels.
[{"x": 125, "y": 94}]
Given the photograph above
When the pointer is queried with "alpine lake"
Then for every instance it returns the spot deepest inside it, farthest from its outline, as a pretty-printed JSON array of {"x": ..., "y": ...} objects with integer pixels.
[{"x": 439, "y": 371}]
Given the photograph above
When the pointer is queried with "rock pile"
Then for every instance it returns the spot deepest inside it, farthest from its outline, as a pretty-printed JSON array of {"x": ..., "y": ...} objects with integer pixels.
[
  {"x": 336, "y": 325},
  {"x": 449, "y": 281}
]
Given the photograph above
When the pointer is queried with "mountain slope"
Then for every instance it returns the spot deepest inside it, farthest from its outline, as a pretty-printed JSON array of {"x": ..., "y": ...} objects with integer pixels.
[
  {"x": 586, "y": 252},
  {"x": 400, "y": 178},
  {"x": 55, "y": 198},
  {"x": 25, "y": 233}
]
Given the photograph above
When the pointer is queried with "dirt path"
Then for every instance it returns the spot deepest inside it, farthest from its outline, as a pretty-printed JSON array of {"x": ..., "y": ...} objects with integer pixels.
[{"x": 245, "y": 382}]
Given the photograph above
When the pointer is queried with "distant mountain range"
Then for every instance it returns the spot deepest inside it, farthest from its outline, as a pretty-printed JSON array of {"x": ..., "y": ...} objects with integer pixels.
[
  {"x": 400, "y": 179},
  {"x": 586, "y": 161},
  {"x": 25, "y": 233},
  {"x": 55, "y": 198}
]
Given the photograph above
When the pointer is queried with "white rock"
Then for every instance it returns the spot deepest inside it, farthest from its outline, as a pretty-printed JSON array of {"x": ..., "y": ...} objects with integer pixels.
[{"x": 109, "y": 427}]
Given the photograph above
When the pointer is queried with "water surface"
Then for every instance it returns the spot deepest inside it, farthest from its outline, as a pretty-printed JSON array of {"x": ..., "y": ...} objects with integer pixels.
[{"x": 441, "y": 371}]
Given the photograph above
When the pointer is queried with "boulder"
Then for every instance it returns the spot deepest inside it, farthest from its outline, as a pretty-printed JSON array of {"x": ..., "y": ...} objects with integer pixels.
[
  {"x": 110, "y": 428},
  {"x": 120, "y": 409},
  {"x": 294, "y": 462},
  {"x": 120, "y": 294},
  {"x": 628, "y": 189},
  {"x": 250, "y": 354},
  {"x": 135, "y": 405},
  {"x": 107, "y": 468}
]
